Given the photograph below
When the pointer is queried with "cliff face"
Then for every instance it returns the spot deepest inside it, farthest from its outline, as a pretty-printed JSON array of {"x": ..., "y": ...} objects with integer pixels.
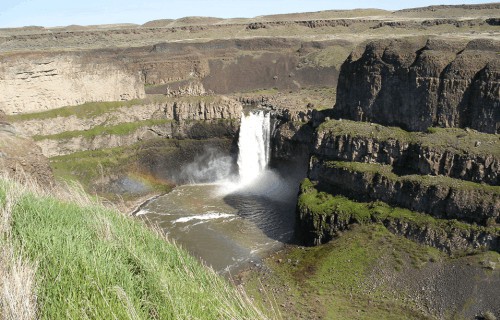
[
  {"x": 441, "y": 197},
  {"x": 178, "y": 109},
  {"x": 321, "y": 217},
  {"x": 35, "y": 82},
  {"x": 183, "y": 117},
  {"x": 437, "y": 186},
  {"x": 461, "y": 154},
  {"x": 416, "y": 85}
]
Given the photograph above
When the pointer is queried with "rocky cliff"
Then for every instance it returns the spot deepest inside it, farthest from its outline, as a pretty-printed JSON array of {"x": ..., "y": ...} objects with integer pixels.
[
  {"x": 441, "y": 197},
  {"x": 457, "y": 153},
  {"x": 109, "y": 125},
  {"x": 414, "y": 178},
  {"x": 416, "y": 84},
  {"x": 322, "y": 216},
  {"x": 88, "y": 116},
  {"x": 37, "y": 82}
]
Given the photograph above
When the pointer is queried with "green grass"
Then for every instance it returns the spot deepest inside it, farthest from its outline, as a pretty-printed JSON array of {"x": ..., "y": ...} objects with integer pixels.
[
  {"x": 84, "y": 111},
  {"x": 364, "y": 130},
  {"x": 90, "y": 167},
  {"x": 456, "y": 140},
  {"x": 119, "y": 129},
  {"x": 332, "y": 56},
  {"x": 94, "y": 263}
]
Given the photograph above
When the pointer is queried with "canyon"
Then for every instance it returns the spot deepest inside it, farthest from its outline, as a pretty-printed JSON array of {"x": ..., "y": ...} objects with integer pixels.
[{"x": 390, "y": 119}]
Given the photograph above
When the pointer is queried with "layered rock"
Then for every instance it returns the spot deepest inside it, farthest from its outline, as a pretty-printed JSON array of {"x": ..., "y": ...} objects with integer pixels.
[
  {"x": 178, "y": 109},
  {"x": 321, "y": 217},
  {"x": 461, "y": 154},
  {"x": 188, "y": 117},
  {"x": 210, "y": 108},
  {"x": 439, "y": 196},
  {"x": 416, "y": 85},
  {"x": 38, "y": 82},
  {"x": 56, "y": 146}
]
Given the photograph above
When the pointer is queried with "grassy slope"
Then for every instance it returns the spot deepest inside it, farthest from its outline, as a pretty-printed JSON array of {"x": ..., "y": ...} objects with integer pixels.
[
  {"x": 95, "y": 263},
  {"x": 89, "y": 167},
  {"x": 349, "y": 277},
  {"x": 336, "y": 277},
  {"x": 91, "y": 110},
  {"x": 119, "y": 130},
  {"x": 92, "y": 168}
]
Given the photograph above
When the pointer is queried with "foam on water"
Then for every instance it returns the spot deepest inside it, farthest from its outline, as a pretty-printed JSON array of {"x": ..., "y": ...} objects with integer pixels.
[{"x": 208, "y": 216}]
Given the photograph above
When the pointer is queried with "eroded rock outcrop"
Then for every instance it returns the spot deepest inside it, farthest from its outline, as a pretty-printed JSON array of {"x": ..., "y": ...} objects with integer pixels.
[
  {"x": 178, "y": 109},
  {"x": 417, "y": 84},
  {"x": 38, "y": 82},
  {"x": 20, "y": 157},
  {"x": 321, "y": 217},
  {"x": 456, "y": 153},
  {"x": 186, "y": 117},
  {"x": 441, "y": 197}
]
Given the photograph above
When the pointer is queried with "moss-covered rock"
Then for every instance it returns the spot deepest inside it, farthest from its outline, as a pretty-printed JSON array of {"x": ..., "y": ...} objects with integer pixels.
[{"x": 321, "y": 216}]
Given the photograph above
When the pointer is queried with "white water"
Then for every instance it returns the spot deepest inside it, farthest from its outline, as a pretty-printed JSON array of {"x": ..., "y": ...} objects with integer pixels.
[
  {"x": 254, "y": 146},
  {"x": 206, "y": 216}
]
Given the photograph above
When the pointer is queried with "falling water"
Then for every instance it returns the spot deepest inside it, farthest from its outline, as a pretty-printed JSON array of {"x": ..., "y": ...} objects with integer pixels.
[
  {"x": 254, "y": 145},
  {"x": 230, "y": 222}
]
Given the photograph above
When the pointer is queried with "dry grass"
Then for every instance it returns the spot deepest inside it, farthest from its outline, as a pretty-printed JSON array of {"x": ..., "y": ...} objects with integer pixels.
[{"x": 17, "y": 277}]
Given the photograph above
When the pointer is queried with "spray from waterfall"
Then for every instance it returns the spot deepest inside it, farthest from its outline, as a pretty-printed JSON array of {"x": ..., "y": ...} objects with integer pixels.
[{"x": 253, "y": 145}]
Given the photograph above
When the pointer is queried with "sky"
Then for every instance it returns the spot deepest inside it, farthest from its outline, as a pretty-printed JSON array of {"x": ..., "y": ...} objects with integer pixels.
[{"x": 50, "y": 13}]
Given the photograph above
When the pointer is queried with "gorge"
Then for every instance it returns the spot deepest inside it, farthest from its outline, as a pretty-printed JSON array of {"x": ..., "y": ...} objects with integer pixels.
[
  {"x": 341, "y": 167},
  {"x": 230, "y": 220}
]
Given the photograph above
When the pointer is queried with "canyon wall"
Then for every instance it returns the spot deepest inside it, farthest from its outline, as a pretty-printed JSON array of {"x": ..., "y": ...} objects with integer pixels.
[
  {"x": 456, "y": 153},
  {"x": 420, "y": 153},
  {"x": 38, "y": 82},
  {"x": 181, "y": 118},
  {"x": 417, "y": 84}
]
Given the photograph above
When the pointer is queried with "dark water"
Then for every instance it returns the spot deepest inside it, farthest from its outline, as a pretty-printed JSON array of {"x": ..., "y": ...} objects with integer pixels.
[{"x": 225, "y": 227}]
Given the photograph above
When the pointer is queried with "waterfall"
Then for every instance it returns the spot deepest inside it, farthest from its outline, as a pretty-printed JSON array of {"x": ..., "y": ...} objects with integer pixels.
[{"x": 254, "y": 145}]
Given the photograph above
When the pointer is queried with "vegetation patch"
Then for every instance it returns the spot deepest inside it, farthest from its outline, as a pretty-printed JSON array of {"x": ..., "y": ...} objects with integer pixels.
[
  {"x": 332, "y": 56},
  {"x": 91, "y": 110},
  {"x": 338, "y": 280},
  {"x": 364, "y": 130},
  {"x": 84, "y": 111},
  {"x": 120, "y": 130},
  {"x": 97, "y": 169},
  {"x": 94, "y": 263}
]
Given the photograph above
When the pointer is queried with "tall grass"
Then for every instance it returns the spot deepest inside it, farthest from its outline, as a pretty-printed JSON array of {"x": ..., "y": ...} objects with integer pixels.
[
  {"x": 17, "y": 275},
  {"x": 94, "y": 263}
]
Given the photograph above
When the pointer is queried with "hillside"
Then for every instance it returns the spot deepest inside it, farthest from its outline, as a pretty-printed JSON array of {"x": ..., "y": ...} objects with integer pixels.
[{"x": 97, "y": 263}]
